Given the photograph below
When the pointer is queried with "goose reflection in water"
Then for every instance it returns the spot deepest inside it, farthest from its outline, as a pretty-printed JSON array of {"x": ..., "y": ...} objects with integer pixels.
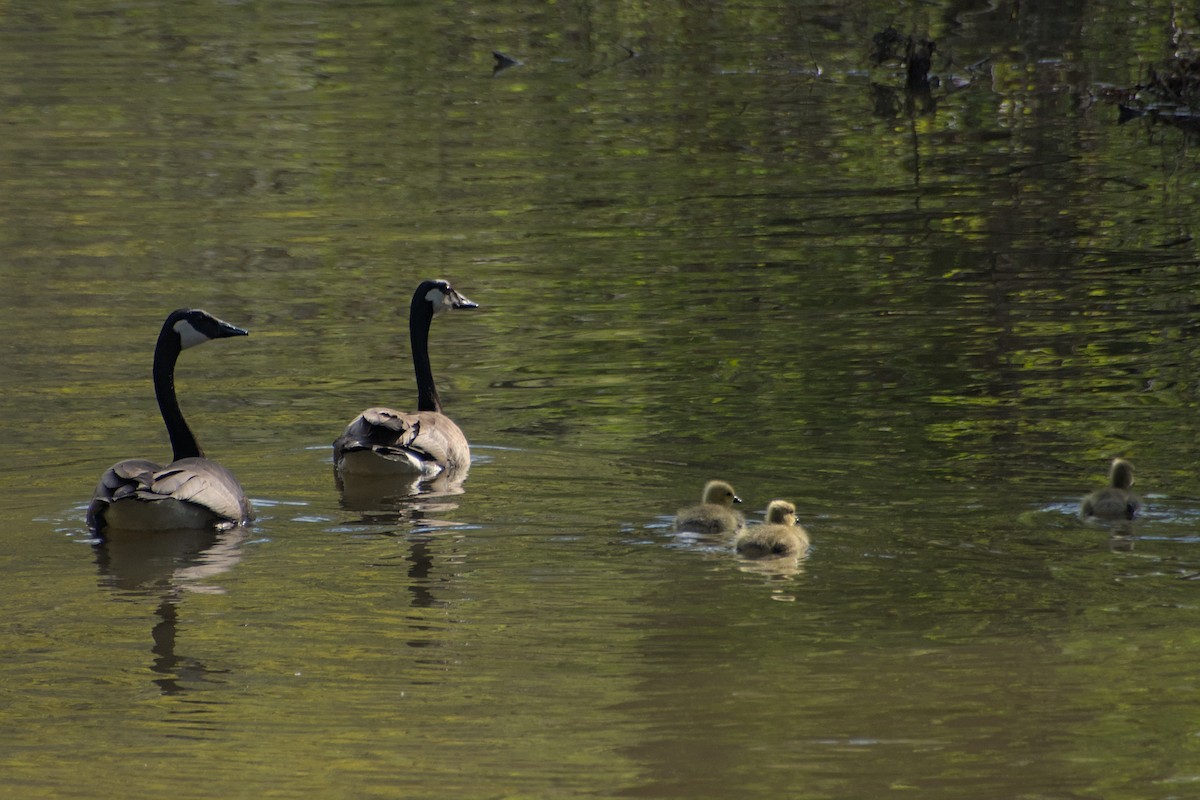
[
  {"x": 389, "y": 495},
  {"x": 168, "y": 565},
  {"x": 415, "y": 516}
]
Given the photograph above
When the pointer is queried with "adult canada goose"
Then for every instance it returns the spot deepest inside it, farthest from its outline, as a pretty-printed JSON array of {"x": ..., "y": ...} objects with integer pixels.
[
  {"x": 381, "y": 442},
  {"x": 778, "y": 537},
  {"x": 1114, "y": 501},
  {"x": 715, "y": 512},
  {"x": 190, "y": 492}
]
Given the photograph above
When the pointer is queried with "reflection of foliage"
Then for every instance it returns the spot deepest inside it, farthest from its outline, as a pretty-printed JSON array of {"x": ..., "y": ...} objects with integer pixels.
[
  {"x": 913, "y": 55},
  {"x": 1176, "y": 82},
  {"x": 1171, "y": 94}
]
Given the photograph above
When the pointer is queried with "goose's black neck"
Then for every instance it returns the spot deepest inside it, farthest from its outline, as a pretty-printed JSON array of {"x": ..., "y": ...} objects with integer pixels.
[
  {"x": 166, "y": 352},
  {"x": 420, "y": 315}
]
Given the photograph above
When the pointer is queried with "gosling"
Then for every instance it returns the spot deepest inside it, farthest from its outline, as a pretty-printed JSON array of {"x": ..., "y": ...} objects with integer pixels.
[
  {"x": 714, "y": 514},
  {"x": 779, "y": 537},
  {"x": 1114, "y": 501}
]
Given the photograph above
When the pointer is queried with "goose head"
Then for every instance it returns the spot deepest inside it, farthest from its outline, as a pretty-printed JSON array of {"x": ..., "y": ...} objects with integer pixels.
[
  {"x": 719, "y": 493},
  {"x": 441, "y": 296},
  {"x": 194, "y": 326},
  {"x": 1121, "y": 474},
  {"x": 781, "y": 512}
]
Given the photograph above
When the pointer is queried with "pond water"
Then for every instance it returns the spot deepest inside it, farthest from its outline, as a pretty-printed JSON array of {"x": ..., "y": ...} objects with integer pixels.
[{"x": 707, "y": 240}]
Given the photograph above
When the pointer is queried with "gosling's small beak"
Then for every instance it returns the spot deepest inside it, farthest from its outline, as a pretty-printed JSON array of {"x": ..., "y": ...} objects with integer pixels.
[{"x": 737, "y": 499}]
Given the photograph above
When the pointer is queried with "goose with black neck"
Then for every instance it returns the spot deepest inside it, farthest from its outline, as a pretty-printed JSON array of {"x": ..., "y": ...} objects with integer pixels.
[
  {"x": 192, "y": 491},
  {"x": 423, "y": 444}
]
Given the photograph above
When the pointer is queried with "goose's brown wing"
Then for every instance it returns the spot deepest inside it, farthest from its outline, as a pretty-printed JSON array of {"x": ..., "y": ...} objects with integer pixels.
[
  {"x": 198, "y": 481},
  {"x": 428, "y": 438}
]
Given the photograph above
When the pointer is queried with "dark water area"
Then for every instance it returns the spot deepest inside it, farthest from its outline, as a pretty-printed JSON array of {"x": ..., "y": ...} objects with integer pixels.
[{"x": 707, "y": 240}]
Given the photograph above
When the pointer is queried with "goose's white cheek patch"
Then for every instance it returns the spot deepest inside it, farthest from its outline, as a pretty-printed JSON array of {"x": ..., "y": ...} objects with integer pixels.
[
  {"x": 439, "y": 300},
  {"x": 189, "y": 336}
]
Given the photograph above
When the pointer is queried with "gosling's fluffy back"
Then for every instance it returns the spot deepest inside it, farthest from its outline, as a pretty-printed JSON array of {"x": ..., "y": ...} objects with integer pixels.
[
  {"x": 779, "y": 537},
  {"x": 1114, "y": 501},
  {"x": 715, "y": 512}
]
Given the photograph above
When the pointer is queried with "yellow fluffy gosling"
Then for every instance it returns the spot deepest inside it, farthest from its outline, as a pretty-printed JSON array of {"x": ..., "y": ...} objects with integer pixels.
[
  {"x": 715, "y": 512},
  {"x": 779, "y": 537},
  {"x": 1114, "y": 501}
]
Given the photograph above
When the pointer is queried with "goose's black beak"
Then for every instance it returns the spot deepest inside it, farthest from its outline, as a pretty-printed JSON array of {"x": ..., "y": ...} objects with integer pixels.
[{"x": 225, "y": 330}]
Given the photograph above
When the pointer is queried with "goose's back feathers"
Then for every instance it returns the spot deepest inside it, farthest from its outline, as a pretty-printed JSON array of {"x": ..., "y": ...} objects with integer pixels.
[
  {"x": 188, "y": 493},
  {"x": 382, "y": 441}
]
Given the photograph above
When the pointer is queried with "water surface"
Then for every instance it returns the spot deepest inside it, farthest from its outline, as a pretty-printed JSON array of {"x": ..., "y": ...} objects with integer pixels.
[{"x": 707, "y": 240}]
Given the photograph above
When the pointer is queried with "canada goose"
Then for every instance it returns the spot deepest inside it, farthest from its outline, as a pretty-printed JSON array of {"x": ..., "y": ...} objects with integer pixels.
[
  {"x": 382, "y": 442},
  {"x": 715, "y": 512},
  {"x": 190, "y": 492},
  {"x": 1114, "y": 501},
  {"x": 778, "y": 537}
]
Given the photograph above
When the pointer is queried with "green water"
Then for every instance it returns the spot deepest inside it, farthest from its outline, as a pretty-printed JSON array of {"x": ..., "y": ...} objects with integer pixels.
[{"x": 706, "y": 240}]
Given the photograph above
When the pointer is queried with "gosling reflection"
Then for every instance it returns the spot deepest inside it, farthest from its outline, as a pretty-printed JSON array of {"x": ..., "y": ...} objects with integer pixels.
[
  {"x": 1115, "y": 501},
  {"x": 714, "y": 514},
  {"x": 169, "y": 565},
  {"x": 782, "y": 569},
  {"x": 1122, "y": 540}
]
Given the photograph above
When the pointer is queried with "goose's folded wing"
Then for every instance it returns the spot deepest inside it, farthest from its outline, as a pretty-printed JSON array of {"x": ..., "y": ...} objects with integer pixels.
[
  {"x": 202, "y": 482},
  {"x": 125, "y": 478},
  {"x": 391, "y": 433},
  {"x": 192, "y": 480},
  {"x": 440, "y": 439},
  {"x": 427, "y": 439},
  {"x": 377, "y": 427}
]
